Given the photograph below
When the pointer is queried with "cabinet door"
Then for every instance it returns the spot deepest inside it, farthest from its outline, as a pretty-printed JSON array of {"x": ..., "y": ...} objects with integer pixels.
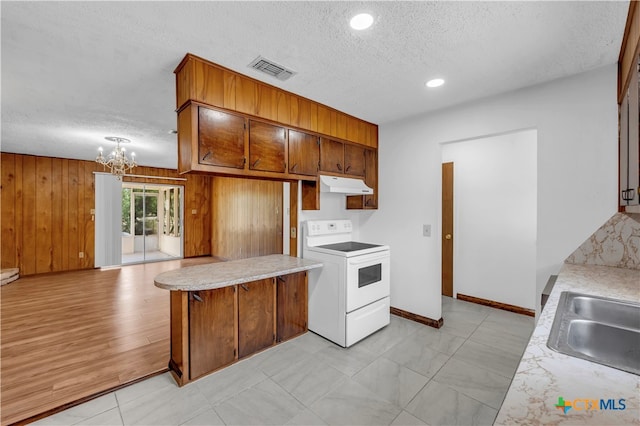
[
  {"x": 331, "y": 156},
  {"x": 256, "y": 316},
  {"x": 371, "y": 178},
  {"x": 292, "y": 305},
  {"x": 304, "y": 153},
  {"x": 212, "y": 330},
  {"x": 354, "y": 160},
  {"x": 220, "y": 138},
  {"x": 266, "y": 147}
]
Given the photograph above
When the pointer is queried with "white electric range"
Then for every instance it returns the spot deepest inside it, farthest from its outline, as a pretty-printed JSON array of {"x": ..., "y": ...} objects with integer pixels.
[{"x": 349, "y": 295}]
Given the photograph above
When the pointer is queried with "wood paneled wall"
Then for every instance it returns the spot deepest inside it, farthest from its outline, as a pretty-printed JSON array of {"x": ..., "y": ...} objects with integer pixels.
[
  {"x": 246, "y": 217},
  {"x": 46, "y": 213}
]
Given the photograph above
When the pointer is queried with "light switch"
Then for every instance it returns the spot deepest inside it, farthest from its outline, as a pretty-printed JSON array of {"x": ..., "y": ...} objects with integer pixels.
[
  {"x": 426, "y": 230},
  {"x": 294, "y": 232},
  {"x": 194, "y": 211}
]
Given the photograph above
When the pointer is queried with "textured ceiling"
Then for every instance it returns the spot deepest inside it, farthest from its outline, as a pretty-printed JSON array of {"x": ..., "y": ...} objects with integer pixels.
[{"x": 74, "y": 72}]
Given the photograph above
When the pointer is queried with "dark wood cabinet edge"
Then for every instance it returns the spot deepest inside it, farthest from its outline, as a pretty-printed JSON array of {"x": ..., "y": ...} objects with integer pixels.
[
  {"x": 498, "y": 305},
  {"x": 417, "y": 318}
]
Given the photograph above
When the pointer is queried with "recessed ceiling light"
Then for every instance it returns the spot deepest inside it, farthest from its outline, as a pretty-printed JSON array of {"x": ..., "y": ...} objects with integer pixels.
[
  {"x": 436, "y": 82},
  {"x": 362, "y": 21}
]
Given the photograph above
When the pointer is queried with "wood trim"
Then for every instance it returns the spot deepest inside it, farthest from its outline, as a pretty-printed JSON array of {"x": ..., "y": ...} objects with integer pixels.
[
  {"x": 497, "y": 305},
  {"x": 417, "y": 318},
  {"x": 68, "y": 405},
  {"x": 629, "y": 49},
  {"x": 293, "y": 218}
]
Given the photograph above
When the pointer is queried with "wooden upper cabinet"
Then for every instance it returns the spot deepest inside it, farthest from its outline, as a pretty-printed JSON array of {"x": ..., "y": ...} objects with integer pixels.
[
  {"x": 371, "y": 179},
  {"x": 292, "y": 305},
  {"x": 354, "y": 162},
  {"x": 341, "y": 125},
  {"x": 324, "y": 120},
  {"x": 256, "y": 316},
  {"x": 212, "y": 330},
  {"x": 220, "y": 138},
  {"x": 331, "y": 156},
  {"x": 267, "y": 147},
  {"x": 246, "y": 95},
  {"x": 304, "y": 153},
  {"x": 267, "y": 103}
]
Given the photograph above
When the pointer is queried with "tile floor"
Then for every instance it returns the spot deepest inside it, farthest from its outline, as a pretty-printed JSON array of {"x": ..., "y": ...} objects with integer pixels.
[{"x": 405, "y": 374}]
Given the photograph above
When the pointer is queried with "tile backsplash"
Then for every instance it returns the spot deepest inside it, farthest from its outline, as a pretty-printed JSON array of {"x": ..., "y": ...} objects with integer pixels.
[{"x": 616, "y": 243}]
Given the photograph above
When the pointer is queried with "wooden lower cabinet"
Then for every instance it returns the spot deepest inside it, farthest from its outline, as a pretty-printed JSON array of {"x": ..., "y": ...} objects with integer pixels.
[
  {"x": 292, "y": 305},
  {"x": 256, "y": 316},
  {"x": 212, "y": 330}
]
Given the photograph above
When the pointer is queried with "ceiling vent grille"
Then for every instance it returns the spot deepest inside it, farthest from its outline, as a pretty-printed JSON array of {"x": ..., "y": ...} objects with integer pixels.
[{"x": 269, "y": 67}]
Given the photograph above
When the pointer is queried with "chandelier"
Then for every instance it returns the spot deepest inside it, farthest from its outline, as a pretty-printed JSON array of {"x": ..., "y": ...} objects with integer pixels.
[{"x": 117, "y": 161}]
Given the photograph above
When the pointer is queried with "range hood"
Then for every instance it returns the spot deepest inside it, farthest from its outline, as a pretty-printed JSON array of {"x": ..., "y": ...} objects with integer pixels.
[{"x": 342, "y": 185}]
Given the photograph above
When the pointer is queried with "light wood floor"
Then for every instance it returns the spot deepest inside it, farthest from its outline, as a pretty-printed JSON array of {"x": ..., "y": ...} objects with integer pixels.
[{"x": 69, "y": 335}]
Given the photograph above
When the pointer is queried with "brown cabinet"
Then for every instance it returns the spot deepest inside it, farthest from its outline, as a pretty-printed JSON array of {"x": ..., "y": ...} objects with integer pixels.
[
  {"x": 354, "y": 161},
  {"x": 212, "y": 330},
  {"x": 371, "y": 179},
  {"x": 267, "y": 147},
  {"x": 220, "y": 138},
  {"x": 292, "y": 305},
  {"x": 331, "y": 156},
  {"x": 256, "y": 316},
  {"x": 339, "y": 157},
  {"x": 304, "y": 153}
]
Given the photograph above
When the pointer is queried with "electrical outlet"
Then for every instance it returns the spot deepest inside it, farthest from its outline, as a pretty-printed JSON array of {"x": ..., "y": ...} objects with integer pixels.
[
  {"x": 194, "y": 211},
  {"x": 81, "y": 255},
  {"x": 426, "y": 230}
]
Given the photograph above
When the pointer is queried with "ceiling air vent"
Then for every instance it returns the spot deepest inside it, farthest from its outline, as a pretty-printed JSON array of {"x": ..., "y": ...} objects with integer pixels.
[{"x": 271, "y": 68}]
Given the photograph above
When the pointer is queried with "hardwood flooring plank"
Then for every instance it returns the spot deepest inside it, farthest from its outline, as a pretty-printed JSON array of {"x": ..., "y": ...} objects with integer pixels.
[{"x": 70, "y": 335}]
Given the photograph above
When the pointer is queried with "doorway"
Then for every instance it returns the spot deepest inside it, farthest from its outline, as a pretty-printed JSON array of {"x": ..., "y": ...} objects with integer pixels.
[
  {"x": 151, "y": 222},
  {"x": 493, "y": 204},
  {"x": 447, "y": 229}
]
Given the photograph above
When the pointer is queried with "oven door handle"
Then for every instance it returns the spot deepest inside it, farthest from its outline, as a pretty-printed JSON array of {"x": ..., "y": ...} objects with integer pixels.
[{"x": 370, "y": 260}]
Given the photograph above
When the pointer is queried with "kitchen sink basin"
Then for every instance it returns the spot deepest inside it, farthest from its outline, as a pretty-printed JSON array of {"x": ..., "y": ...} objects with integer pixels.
[{"x": 598, "y": 329}]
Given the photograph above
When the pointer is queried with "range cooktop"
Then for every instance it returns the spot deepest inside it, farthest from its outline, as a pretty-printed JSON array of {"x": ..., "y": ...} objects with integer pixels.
[{"x": 348, "y": 246}]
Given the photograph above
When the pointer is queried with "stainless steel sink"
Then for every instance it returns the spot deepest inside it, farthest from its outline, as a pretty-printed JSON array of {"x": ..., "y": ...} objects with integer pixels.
[{"x": 598, "y": 329}]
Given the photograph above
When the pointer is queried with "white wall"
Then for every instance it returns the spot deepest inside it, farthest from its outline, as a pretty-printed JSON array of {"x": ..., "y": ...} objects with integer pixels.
[
  {"x": 576, "y": 120},
  {"x": 332, "y": 206},
  {"x": 494, "y": 233}
]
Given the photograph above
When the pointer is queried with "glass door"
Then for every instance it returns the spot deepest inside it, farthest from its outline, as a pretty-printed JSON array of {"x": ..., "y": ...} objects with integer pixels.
[{"x": 152, "y": 222}]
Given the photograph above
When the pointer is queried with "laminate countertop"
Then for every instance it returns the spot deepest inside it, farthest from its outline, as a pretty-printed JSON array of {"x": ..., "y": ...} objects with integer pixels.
[
  {"x": 544, "y": 375},
  {"x": 223, "y": 274}
]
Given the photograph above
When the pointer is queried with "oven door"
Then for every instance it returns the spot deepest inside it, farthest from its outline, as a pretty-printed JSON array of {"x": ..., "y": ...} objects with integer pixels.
[{"x": 368, "y": 279}]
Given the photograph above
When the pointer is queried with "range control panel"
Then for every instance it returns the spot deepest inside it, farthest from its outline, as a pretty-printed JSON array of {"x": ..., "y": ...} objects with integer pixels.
[{"x": 328, "y": 227}]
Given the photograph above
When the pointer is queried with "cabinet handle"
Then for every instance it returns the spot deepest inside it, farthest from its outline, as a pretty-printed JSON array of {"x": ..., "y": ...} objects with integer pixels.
[
  {"x": 281, "y": 278},
  {"x": 206, "y": 155},
  {"x": 294, "y": 166},
  {"x": 256, "y": 163},
  {"x": 244, "y": 161},
  {"x": 368, "y": 202},
  {"x": 348, "y": 167},
  {"x": 339, "y": 166},
  {"x": 196, "y": 297},
  {"x": 628, "y": 194},
  {"x": 244, "y": 287}
]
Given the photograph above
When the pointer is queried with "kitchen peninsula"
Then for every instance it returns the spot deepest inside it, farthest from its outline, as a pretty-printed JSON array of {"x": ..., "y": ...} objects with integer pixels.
[{"x": 222, "y": 312}]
